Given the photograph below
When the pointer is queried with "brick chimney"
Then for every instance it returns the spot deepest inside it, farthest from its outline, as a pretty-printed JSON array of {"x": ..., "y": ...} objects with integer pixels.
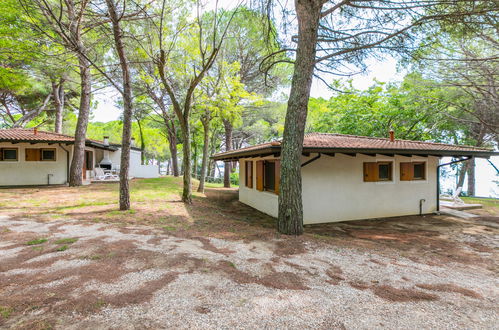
[
  {"x": 35, "y": 130},
  {"x": 392, "y": 135}
]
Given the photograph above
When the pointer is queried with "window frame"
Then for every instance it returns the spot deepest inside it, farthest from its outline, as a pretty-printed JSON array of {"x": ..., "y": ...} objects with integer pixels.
[
  {"x": 424, "y": 171},
  {"x": 48, "y": 149},
  {"x": 390, "y": 171},
  {"x": 368, "y": 166},
  {"x": 411, "y": 171},
  {"x": 265, "y": 188},
  {"x": 248, "y": 174},
  {"x": 2, "y": 150}
]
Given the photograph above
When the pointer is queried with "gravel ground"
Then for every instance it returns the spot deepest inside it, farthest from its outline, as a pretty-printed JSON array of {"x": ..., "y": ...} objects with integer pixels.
[{"x": 138, "y": 277}]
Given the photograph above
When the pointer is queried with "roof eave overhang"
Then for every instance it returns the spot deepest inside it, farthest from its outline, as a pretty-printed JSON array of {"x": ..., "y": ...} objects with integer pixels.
[
  {"x": 407, "y": 152},
  {"x": 101, "y": 146},
  {"x": 37, "y": 141},
  {"x": 88, "y": 144}
]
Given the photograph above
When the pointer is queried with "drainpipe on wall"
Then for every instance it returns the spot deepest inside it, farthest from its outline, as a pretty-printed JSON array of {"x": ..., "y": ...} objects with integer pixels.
[
  {"x": 438, "y": 177},
  {"x": 67, "y": 162}
]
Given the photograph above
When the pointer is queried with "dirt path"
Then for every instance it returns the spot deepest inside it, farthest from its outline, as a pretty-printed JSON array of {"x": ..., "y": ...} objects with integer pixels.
[{"x": 91, "y": 275}]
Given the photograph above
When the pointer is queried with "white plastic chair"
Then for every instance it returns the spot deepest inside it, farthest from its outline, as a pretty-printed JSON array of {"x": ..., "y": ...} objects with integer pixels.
[{"x": 100, "y": 175}]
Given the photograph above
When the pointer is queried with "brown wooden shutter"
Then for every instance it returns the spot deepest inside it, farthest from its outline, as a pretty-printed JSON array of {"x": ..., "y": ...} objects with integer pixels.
[
  {"x": 370, "y": 172},
  {"x": 249, "y": 174},
  {"x": 33, "y": 155},
  {"x": 259, "y": 175},
  {"x": 406, "y": 171},
  {"x": 1, "y": 154},
  {"x": 277, "y": 176}
]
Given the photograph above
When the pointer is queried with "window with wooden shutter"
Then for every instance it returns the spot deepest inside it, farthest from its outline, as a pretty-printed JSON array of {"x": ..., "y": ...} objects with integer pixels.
[
  {"x": 405, "y": 171},
  {"x": 370, "y": 172},
  {"x": 378, "y": 171},
  {"x": 259, "y": 175},
  {"x": 277, "y": 175},
  {"x": 248, "y": 174},
  {"x": 1, "y": 154},
  {"x": 412, "y": 171},
  {"x": 32, "y": 155}
]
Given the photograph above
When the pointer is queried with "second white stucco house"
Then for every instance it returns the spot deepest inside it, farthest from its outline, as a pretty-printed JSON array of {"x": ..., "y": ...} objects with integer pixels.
[
  {"x": 33, "y": 157},
  {"x": 346, "y": 177}
]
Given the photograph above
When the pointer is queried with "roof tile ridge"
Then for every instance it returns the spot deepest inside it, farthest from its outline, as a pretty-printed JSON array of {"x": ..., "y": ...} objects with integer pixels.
[{"x": 403, "y": 140}]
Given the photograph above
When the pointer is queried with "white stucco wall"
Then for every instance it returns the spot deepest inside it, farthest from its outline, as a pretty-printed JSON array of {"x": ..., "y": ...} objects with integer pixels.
[
  {"x": 136, "y": 169},
  {"x": 264, "y": 201},
  {"x": 334, "y": 190},
  {"x": 21, "y": 172}
]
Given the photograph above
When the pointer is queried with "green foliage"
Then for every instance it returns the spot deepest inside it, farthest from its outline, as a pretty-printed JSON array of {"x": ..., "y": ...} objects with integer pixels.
[
  {"x": 36, "y": 241},
  {"x": 6, "y": 311},
  {"x": 66, "y": 240},
  {"x": 415, "y": 109},
  {"x": 234, "y": 178}
]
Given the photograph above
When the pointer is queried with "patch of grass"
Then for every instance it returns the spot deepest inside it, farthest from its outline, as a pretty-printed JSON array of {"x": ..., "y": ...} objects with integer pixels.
[
  {"x": 6, "y": 311},
  {"x": 37, "y": 241},
  {"x": 66, "y": 240},
  {"x": 169, "y": 228},
  {"x": 62, "y": 248},
  {"x": 490, "y": 202},
  {"x": 99, "y": 303},
  {"x": 37, "y": 248}
]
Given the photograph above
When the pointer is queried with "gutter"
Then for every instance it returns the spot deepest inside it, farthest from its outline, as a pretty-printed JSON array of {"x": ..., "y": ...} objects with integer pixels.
[
  {"x": 67, "y": 162},
  {"x": 438, "y": 177},
  {"x": 311, "y": 160}
]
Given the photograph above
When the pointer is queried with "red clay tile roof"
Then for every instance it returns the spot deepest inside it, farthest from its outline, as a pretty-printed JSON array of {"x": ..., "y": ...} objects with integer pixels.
[
  {"x": 28, "y": 135},
  {"x": 331, "y": 142},
  {"x": 23, "y": 135}
]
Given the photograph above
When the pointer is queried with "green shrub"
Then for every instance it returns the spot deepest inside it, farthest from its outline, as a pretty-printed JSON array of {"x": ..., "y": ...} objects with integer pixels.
[{"x": 234, "y": 178}]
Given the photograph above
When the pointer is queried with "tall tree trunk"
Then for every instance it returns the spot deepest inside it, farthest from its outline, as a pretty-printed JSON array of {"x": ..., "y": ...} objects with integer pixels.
[
  {"x": 174, "y": 153},
  {"x": 142, "y": 144},
  {"x": 194, "y": 157},
  {"x": 76, "y": 169},
  {"x": 126, "y": 138},
  {"x": 290, "y": 220},
  {"x": 228, "y": 146},
  {"x": 206, "y": 149},
  {"x": 58, "y": 96},
  {"x": 471, "y": 177},
  {"x": 172, "y": 142},
  {"x": 462, "y": 175},
  {"x": 186, "y": 164}
]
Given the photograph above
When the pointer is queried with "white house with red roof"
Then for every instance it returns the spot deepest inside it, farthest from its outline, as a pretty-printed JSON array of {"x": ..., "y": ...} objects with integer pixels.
[
  {"x": 346, "y": 177},
  {"x": 33, "y": 157}
]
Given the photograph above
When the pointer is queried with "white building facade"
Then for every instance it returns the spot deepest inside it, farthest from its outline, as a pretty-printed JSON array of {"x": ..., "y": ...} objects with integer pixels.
[
  {"x": 333, "y": 189},
  {"x": 346, "y": 177},
  {"x": 30, "y": 158}
]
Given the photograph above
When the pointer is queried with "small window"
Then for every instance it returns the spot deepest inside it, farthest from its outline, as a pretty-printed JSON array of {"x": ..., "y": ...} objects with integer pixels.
[
  {"x": 9, "y": 154},
  {"x": 268, "y": 175},
  {"x": 48, "y": 155},
  {"x": 412, "y": 171},
  {"x": 380, "y": 171},
  {"x": 384, "y": 171},
  {"x": 269, "y": 178},
  {"x": 248, "y": 174},
  {"x": 419, "y": 171}
]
